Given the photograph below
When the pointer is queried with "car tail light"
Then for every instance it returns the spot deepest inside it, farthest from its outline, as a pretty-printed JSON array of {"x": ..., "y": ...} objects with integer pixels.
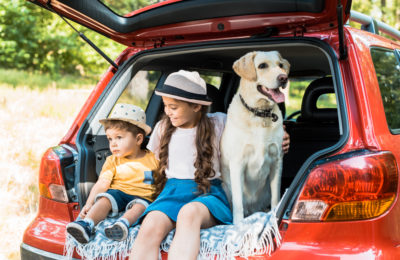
[
  {"x": 360, "y": 187},
  {"x": 51, "y": 183}
]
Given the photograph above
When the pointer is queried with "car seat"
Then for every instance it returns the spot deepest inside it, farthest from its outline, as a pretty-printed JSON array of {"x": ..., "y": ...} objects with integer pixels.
[
  {"x": 217, "y": 99},
  {"x": 315, "y": 129}
]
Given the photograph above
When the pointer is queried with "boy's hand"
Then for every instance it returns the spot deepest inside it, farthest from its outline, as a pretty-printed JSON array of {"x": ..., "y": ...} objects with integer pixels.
[
  {"x": 84, "y": 211},
  {"x": 286, "y": 140},
  {"x": 101, "y": 186}
]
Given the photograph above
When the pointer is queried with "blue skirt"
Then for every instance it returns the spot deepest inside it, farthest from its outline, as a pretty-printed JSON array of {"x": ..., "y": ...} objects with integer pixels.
[{"x": 178, "y": 192}]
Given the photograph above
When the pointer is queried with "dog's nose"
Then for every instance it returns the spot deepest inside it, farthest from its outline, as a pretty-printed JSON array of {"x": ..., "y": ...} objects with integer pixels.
[{"x": 282, "y": 79}]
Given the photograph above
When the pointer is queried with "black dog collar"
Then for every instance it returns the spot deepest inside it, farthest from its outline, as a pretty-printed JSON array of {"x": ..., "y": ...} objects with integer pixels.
[{"x": 259, "y": 112}]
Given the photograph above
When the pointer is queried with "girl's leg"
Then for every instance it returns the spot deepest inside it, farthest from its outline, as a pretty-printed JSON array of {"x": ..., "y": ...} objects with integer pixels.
[
  {"x": 155, "y": 226},
  {"x": 186, "y": 242},
  {"x": 99, "y": 210}
]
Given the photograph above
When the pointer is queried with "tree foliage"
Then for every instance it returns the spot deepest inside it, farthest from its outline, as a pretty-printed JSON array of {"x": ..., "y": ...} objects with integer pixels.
[
  {"x": 387, "y": 11},
  {"x": 32, "y": 38}
]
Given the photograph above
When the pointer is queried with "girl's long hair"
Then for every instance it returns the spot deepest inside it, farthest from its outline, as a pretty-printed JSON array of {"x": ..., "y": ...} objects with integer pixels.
[{"x": 205, "y": 135}]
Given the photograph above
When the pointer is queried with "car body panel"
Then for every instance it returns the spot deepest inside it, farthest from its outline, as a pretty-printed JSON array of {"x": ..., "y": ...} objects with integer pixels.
[
  {"x": 170, "y": 21},
  {"x": 367, "y": 239},
  {"x": 376, "y": 134},
  {"x": 49, "y": 225}
]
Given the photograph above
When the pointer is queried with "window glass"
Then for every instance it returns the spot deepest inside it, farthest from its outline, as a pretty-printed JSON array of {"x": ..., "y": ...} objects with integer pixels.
[
  {"x": 327, "y": 101},
  {"x": 294, "y": 96},
  {"x": 140, "y": 88},
  {"x": 294, "y": 93},
  {"x": 387, "y": 70},
  {"x": 124, "y": 8},
  {"x": 212, "y": 78}
]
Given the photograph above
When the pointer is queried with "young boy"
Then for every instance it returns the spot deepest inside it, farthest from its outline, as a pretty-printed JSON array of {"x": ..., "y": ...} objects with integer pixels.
[{"x": 126, "y": 177}]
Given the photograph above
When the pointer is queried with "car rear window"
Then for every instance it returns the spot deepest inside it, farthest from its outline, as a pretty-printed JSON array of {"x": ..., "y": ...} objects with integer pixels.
[
  {"x": 212, "y": 78},
  {"x": 295, "y": 95},
  {"x": 387, "y": 68},
  {"x": 123, "y": 8}
]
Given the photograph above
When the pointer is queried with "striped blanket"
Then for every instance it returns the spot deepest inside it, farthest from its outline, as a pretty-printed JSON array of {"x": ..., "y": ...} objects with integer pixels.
[{"x": 257, "y": 234}]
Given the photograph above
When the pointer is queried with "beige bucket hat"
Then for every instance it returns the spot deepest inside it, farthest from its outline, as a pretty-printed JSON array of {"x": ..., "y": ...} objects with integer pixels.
[{"x": 131, "y": 114}]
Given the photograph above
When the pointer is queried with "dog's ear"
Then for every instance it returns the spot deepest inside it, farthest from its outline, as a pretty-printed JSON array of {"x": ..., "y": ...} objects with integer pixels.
[
  {"x": 244, "y": 66},
  {"x": 286, "y": 64}
]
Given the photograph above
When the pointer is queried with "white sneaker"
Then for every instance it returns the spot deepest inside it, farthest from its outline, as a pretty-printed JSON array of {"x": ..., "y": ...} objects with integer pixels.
[{"x": 117, "y": 231}]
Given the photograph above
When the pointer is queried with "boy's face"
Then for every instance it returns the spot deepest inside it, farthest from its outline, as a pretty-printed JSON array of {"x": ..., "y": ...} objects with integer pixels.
[{"x": 123, "y": 143}]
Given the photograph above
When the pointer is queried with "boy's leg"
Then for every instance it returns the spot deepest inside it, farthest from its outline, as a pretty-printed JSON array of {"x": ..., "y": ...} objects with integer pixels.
[
  {"x": 155, "y": 226},
  {"x": 191, "y": 218},
  {"x": 99, "y": 210},
  {"x": 120, "y": 229},
  {"x": 134, "y": 213},
  {"x": 82, "y": 230}
]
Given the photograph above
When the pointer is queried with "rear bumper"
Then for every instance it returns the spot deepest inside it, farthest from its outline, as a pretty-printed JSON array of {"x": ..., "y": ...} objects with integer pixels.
[
  {"x": 32, "y": 253},
  {"x": 46, "y": 233},
  {"x": 377, "y": 238}
]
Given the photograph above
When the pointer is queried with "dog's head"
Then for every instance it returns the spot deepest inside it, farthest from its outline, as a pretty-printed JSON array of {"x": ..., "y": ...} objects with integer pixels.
[{"x": 267, "y": 70}]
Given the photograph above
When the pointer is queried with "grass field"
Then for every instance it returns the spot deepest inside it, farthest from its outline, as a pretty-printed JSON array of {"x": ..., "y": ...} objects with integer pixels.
[{"x": 32, "y": 119}]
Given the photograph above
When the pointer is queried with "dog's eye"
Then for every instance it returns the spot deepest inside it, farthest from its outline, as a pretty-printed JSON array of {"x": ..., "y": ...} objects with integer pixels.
[
  {"x": 281, "y": 65},
  {"x": 263, "y": 65}
]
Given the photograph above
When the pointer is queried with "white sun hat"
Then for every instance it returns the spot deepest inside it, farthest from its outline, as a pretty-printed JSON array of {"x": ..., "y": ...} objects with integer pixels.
[
  {"x": 185, "y": 85},
  {"x": 131, "y": 114}
]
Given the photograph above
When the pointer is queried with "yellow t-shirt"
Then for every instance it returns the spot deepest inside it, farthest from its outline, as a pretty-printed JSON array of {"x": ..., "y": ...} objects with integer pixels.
[{"x": 134, "y": 177}]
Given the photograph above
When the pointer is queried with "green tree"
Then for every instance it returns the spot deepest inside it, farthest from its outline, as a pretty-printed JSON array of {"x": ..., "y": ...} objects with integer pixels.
[
  {"x": 26, "y": 43},
  {"x": 387, "y": 11},
  {"x": 32, "y": 38}
]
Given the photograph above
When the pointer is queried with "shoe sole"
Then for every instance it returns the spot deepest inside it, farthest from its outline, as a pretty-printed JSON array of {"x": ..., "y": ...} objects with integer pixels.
[
  {"x": 116, "y": 232},
  {"x": 78, "y": 233}
]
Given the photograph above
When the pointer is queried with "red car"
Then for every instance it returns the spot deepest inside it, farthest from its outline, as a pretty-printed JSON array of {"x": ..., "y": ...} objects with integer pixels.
[{"x": 341, "y": 174}]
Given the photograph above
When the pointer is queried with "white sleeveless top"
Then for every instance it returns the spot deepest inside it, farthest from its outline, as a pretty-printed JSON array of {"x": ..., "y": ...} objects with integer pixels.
[{"x": 182, "y": 148}]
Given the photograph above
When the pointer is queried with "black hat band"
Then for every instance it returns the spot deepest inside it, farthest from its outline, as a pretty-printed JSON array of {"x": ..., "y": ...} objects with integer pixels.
[{"x": 167, "y": 89}]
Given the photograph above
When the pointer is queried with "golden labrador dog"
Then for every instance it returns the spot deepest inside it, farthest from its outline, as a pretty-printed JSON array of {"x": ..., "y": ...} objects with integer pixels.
[{"x": 251, "y": 144}]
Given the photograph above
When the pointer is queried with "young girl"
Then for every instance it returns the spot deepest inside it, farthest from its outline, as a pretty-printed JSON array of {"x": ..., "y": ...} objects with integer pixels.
[{"x": 186, "y": 141}]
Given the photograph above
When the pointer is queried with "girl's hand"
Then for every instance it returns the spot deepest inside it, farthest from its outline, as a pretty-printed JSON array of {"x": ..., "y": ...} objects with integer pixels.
[
  {"x": 286, "y": 140},
  {"x": 84, "y": 211}
]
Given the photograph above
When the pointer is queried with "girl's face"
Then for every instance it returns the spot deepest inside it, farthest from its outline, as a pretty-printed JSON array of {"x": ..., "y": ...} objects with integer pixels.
[
  {"x": 123, "y": 143},
  {"x": 182, "y": 114}
]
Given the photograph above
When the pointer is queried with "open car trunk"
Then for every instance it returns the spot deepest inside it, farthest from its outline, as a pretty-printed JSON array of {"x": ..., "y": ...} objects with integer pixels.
[
  {"x": 315, "y": 130},
  {"x": 172, "y": 22}
]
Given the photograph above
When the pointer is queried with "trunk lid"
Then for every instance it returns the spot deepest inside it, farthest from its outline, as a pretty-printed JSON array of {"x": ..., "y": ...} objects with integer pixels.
[{"x": 173, "y": 22}]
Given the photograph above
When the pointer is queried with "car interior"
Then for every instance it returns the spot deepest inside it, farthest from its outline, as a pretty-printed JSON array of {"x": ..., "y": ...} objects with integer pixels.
[{"x": 310, "y": 126}]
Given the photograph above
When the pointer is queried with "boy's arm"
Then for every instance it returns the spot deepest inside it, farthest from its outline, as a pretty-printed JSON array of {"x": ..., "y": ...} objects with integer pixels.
[{"x": 102, "y": 185}]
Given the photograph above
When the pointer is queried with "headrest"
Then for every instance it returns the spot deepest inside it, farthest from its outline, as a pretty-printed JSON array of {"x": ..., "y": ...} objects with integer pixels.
[
  {"x": 309, "y": 110},
  {"x": 217, "y": 99}
]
